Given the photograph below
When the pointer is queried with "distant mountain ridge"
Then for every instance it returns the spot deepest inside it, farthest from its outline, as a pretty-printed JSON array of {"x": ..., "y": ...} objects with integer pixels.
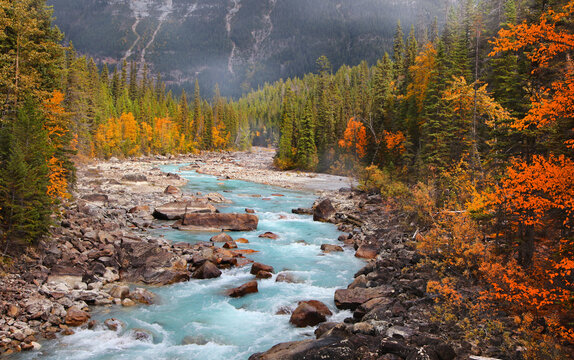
[{"x": 238, "y": 44}]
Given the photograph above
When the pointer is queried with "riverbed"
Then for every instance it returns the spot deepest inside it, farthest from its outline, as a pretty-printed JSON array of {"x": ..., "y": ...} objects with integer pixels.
[{"x": 195, "y": 319}]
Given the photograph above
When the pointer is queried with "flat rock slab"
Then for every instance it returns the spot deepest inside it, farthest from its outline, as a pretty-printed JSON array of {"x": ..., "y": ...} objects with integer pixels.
[
  {"x": 217, "y": 222},
  {"x": 247, "y": 288},
  {"x": 353, "y": 298},
  {"x": 176, "y": 210}
]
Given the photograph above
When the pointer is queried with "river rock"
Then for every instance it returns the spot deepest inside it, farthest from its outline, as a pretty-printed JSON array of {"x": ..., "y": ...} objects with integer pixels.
[
  {"x": 286, "y": 277},
  {"x": 142, "y": 335},
  {"x": 269, "y": 235},
  {"x": 230, "y": 245},
  {"x": 96, "y": 198},
  {"x": 353, "y": 298},
  {"x": 302, "y": 211},
  {"x": 218, "y": 222},
  {"x": 143, "y": 296},
  {"x": 242, "y": 241},
  {"x": 76, "y": 317},
  {"x": 221, "y": 237},
  {"x": 127, "y": 302},
  {"x": 217, "y": 198},
  {"x": 171, "y": 190},
  {"x": 263, "y": 275},
  {"x": 176, "y": 210},
  {"x": 323, "y": 211},
  {"x": 120, "y": 291},
  {"x": 247, "y": 288},
  {"x": 257, "y": 267},
  {"x": 134, "y": 177},
  {"x": 309, "y": 313},
  {"x": 327, "y": 248},
  {"x": 367, "y": 252},
  {"x": 250, "y": 211},
  {"x": 207, "y": 271},
  {"x": 114, "y": 324}
]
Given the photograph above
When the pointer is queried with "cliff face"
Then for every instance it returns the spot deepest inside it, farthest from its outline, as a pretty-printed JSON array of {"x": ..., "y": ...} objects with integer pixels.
[{"x": 236, "y": 43}]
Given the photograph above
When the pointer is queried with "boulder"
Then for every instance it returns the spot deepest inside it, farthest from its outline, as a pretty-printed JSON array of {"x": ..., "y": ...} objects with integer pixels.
[
  {"x": 323, "y": 211},
  {"x": 367, "y": 252},
  {"x": 353, "y": 298},
  {"x": 171, "y": 190},
  {"x": 269, "y": 235},
  {"x": 207, "y": 271},
  {"x": 309, "y": 313},
  {"x": 286, "y": 277},
  {"x": 114, "y": 324},
  {"x": 247, "y": 288},
  {"x": 302, "y": 211},
  {"x": 176, "y": 210},
  {"x": 134, "y": 177},
  {"x": 76, "y": 317},
  {"x": 230, "y": 245},
  {"x": 250, "y": 211},
  {"x": 143, "y": 296},
  {"x": 327, "y": 248},
  {"x": 217, "y": 222},
  {"x": 128, "y": 302},
  {"x": 96, "y": 198},
  {"x": 257, "y": 267},
  {"x": 221, "y": 237},
  {"x": 217, "y": 198},
  {"x": 263, "y": 275},
  {"x": 242, "y": 241},
  {"x": 139, "y": 208}
]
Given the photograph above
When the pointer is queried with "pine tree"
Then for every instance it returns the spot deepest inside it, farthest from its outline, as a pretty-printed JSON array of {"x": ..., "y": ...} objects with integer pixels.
[
  {"x": 197, "y": 118},
  {"x": 285, "y": 152},
  {"x": 306, "y": 150},
  {"x": 398, "y": 49}
]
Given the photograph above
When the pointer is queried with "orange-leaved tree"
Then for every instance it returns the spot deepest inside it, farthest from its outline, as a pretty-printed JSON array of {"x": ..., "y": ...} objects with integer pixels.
[
  {"x": 534, "y": 203},
  {"x": 355, "y": 138}
]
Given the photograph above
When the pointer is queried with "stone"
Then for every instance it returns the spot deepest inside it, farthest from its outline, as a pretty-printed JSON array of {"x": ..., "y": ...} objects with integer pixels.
[
  {"x": 327, "y": 248},
  {"x": 309, "y": 313},
  {"x": 352, "y": 298},
  {"x": 114, "y": 324},
  {"x": 323, "y": 211},
  {"x": 221, "y": 237},
  {"x": 13, "y": 310},
  {"x": 367, "y": 252},
  {"x": 142, "y": 335},
  {"x": 139, "y": 208},
  {"x": 143, "y": 296},
  {"x": 250, "y": 211},
  {"x": 230, "y": 245},
  {"x": 302, "y": 211},
  {"x": 323, "y": 328},
  {"x": 247, "y": 288},
  {"x": 242, "y": 241},
  {"x": 171, "y": 190},
  {"x": 120, "y": 291},
  {"x": 177, "y": 209},
  {"x": 206, "y": 271},
  {"x": 257, "y": 267},
  {"x": 76, "y": 317},
  {"x": 269, "y": 235},
  {"x": 263, "y": 275},
  {"x": 127, "y": 302},
  {"x": 96, "y": 198},
  {"x": 217, "y": 198},
  {"x": 134, "y": 177},
  {"x": 286, "y": 277},
  {"x": 217, "y": 222}
]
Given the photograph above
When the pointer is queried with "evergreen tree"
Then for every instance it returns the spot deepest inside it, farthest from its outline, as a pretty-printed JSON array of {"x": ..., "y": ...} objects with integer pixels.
[
  {"x": 307, "y": 152},
  {"x": 398, "y": 49}
]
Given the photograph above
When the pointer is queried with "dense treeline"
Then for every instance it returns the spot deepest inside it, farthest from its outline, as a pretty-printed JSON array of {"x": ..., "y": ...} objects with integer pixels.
[{"x": 470, "y": 131}]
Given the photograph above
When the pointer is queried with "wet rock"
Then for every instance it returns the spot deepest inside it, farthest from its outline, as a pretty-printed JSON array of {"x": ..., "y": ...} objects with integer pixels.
[
  {"x": 353, "y": 298},
  {"x": 120, "y": 291},
  {"x": 207, "y": 271},
  {"x": 257, "y": 267},
  {"x": 367, "y": 252},
  {"x": 217, "y": 222},
  {"x": 143, "y": 296},
  {"x": 286, "y": 277},
  {"x": 76, "y": 317},
  {"x": 142, "y": 335},
  {"x": 250, "y": 211},
  {"x": 171, "y": 190},
  {"x": 127, "y": 302},
  {"x": 309, "y": 313},
  {"x": 217, "y": 198},
  {"x": 197, "y": 340},
  {"x": 269, "y": 235},
  {"x": 114, "y": 324},
  {"x": 323, "y": 328},
  {"x": 134, "y": 177},
  {"x": 222, "y": 237},
  {"x": 327, "y": 248},
  {"x": 302, "y": 211},
  {"x": 263, "y": 275},
  {"x": 242, "y": 241},
  {"x": 247, "y": 288},
  {"x": 323, "y": 211},
  {"x": 176, "y": 210}
]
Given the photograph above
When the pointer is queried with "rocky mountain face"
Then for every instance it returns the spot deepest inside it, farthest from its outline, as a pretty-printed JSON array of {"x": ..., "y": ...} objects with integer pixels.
[{"x": 238, "y": 44}]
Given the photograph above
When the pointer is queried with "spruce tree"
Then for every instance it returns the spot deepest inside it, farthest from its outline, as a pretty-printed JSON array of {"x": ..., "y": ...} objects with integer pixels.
[{"x": 306, "y": 150}]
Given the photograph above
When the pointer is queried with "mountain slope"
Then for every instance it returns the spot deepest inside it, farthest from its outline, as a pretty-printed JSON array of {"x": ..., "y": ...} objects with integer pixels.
[{"x": 236, "y": 43}]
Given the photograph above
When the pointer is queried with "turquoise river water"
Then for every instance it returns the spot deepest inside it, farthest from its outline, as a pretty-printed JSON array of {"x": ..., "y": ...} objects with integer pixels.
[{"x": 195, "y": 320}]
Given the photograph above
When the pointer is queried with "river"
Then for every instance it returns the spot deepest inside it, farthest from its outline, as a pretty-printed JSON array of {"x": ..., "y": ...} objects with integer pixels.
[{"x": 195, "y": 319}]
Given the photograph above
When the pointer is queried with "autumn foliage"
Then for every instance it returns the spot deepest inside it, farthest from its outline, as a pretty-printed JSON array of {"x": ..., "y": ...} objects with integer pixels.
[{"x": 355, "y": 138}]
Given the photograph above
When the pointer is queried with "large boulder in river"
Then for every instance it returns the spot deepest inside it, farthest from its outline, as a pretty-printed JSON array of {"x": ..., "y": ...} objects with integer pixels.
[
  {"x": 309, "y": 313},
  {"x": 257, "y": 267},
  {"x": 353, "y": 298},
  {"x": 76, "y": 317},
  {"x": 247, "y": 288},
  {"x": 149, "y": 263},
  {"x": 207, "y": 271},
  {"x": 221, "y": 237},
  {"x": 323, "y": 211},
  {"x": 217, "y": 222},
  {"x": 176, "y": 210}
]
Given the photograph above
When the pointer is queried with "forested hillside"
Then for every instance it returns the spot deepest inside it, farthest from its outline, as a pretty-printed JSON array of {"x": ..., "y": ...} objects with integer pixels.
[
  {"x": 468, "y": 130},
  {"x": 238, "y": 44}
]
